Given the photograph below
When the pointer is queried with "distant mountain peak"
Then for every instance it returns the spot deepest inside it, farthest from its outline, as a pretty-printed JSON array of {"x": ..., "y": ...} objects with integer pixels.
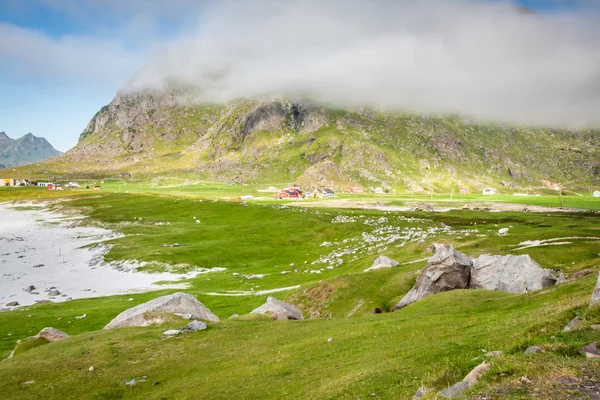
[{"x": 25, "y": 150}]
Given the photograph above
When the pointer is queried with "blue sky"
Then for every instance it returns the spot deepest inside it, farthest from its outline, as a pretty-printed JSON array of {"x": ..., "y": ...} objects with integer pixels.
[{"x": 61, "y": 60}]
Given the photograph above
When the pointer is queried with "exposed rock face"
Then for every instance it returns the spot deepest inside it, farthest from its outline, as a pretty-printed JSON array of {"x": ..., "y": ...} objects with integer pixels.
[
  {"x": 383, "y": 262},
  {"x": 471, "y": 379},
  {"x": 446, "y": 270},
  {"x": 25, "y": 150},
  {"x": 180, "y": 303},
  {"x": 513, "y": 274},
  {"x": 279, "y": 310},
  {"x": 596, "y": 295},
  {"x": 51, "y": 335}
]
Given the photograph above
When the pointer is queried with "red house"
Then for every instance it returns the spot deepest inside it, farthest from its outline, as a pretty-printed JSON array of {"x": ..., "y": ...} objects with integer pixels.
[
  {"x": 289, "y": 193},
  {"x": 357, "y": 190}
]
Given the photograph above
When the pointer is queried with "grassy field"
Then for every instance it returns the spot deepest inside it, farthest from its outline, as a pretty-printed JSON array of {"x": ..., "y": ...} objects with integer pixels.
[{"x": 433, "y": 342}]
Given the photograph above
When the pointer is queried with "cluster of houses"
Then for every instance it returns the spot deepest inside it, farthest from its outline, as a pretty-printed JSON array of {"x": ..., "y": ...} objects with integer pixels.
[
  {"x": 9, "y": 182},
  {"x": 295, "y": 192}
]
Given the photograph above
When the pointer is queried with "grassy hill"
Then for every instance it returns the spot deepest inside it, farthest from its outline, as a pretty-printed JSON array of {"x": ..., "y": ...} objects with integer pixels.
[{"x": 148, "y": 135}]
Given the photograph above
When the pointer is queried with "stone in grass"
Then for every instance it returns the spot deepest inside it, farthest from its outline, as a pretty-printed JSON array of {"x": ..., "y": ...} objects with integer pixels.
[
  {"x": 51, "y": 335},
  {"x": 279, "y": 310},
  {"x": 574, "y": 324},
  {"x": 596, "y": 295},
  {"x": 595, "y": 327},
  {"x": 131, "y": 382},
  {"x": 591, "y": 351},
  {"x": 172, "y": 332},
  {"x": 195, "y": 326},
  {"x": 29, "y": 288},
  {"x": 383, "y": 262},
  {"x": 454, "y": 390},
  {"x": 533, "y": 350},
  {"x": 53, "y": 292},
  {"x": 493, "y": 353},
  {"x": 421, "y": 392},
  {"x": 12, "y": 304}
]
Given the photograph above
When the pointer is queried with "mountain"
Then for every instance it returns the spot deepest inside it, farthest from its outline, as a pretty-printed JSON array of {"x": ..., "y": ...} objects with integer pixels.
[
  {"x": 152, "y": 134},
  {"x": 25, "y": 150}
]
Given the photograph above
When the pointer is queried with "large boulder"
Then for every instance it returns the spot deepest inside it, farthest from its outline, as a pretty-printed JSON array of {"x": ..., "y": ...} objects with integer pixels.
[
  {"x": 446, "y": 270},
  {"x": 51, "y": 335},
  {"x": 180, "y": 303},
  {"x": 279, "y": 310},
  {"x": 596, "y": 295},
  {"x": 383, "y": 262},
  {"x": 513, "y": 274}
]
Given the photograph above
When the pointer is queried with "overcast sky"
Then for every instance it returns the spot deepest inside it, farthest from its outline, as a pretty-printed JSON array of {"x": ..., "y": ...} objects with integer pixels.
[{"x": 61, "y": 60}]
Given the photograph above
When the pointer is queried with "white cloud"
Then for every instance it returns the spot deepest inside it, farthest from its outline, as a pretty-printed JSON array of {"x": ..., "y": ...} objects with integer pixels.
[{"x": 475, "y": 58}]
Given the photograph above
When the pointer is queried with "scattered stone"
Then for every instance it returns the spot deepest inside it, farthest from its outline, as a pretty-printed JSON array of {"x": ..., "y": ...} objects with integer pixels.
[
  {"x": 184, "y": 316},
  {"x": 195, "y": 326},
  {"x": 524, "y": 379},
  {"x": 581, "y": 274},
  {"x": 39, "y": 266},
  {"x": 561, "y": 278},
  {"x": 131, "y": 382},
  {"x": 29, "y": 288},
  {"x": 422, "y": 391},
  {"x": 533, "y": 350},
  {"x": 28, "y": 383},
  {"x": 424, "y": 207},
  {"x": 383, "y": 262},
  {"x": 475, "y": 375},
  {"x": 234, "y": 316},
  {"x": 175, "y": 303},
  {"x": 591, "y": 351},
  {"x": 573, "y": 324},
  {"x": 595, "y": 327},
  {"x": 279, "y": 310},
  {"x": 51, "y": 335},
  {"x": 446, "y": 270},
  {"x": 596, "y": 295},
  {"x": 455, "y": 390},
  {"x": 53, "y": 292},
  {"x": 493, "y": 354},
  {"x": 503, "y": 232},
  {"x": 512, "y": 274},
  {"x": 329, "y": 340},
  {"x": 12, "y": 304},
  {"x": 81, "y": 316},
  {"x": 172, "y": 332},
  {"x": 156, "y": 383},
  {"x": 91, "y": 369}
]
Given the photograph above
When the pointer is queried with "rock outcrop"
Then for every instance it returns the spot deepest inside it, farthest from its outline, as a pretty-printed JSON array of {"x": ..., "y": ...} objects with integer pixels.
[
  {"x": 512, "y": 274},
  {"x": 51, "y": 335},
  {"x": 448, "y": 269},
  {"x": 471, "y": 379},
  {"x": 383, "y": 262},
  {"x": 596, "y": 295},
  {"x": 279, "y": 310},
  {"x": 180, "y": 303}
]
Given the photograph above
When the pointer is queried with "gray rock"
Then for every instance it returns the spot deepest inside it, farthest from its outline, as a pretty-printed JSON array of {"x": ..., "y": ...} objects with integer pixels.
[
  {"x": 195, "y": 326},
  {"x": 561, "y": 278},
  {"x": 503, "y": 232},
  {"x": 512, "y": 274},
  {"x": 422, "y": 391},
  {"x": 12, "y": 304},
  {"x": 533, "y": 350},
  {"x": 29, "y": 288},
  {"x": 595, "y": 327},
  {"x": 476, "y": 373},
  {"x": 383, "y": 262},
  {"x": 234, "y": 316},
  {"x": 279, "y": 310},
  {"x": 51, "y": 335},
  {"x": 175, "y": 303},
  {"x": 573, "y": 324},
  {"x": 496, "y": 353},
  {"x": 596, "y": 295},
  {"x": 53, "y": 292},
  {"x": 172, "y": 332},
  {"x": 446, "y": 270},
  {"x": 131, "y": 382},
  {"x": 455, "y": 390},
  {"x": 591, "y": 351}
]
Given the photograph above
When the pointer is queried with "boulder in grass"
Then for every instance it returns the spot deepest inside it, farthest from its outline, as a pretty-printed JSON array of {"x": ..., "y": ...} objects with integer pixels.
[
  {"x": 180, "y": 303},
  {"x": 383, "y": 262},
  {"x": 279, "y": 310},
  {"x": 51, "y": 335},
  {"x": 512, "y": 274},
  {"x": 591, "y": 351},
  {"x": 596, "y": 295},
  {"x": 446, "y": 270}
]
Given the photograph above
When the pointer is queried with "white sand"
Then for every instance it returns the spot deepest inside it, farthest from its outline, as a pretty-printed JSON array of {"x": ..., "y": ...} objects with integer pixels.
[{"x": 29, "y": 238}]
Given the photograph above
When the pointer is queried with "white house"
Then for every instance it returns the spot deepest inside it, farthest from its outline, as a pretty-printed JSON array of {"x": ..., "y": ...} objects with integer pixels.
[
  {"x": 596, "y": 193},
  {"x": 43, "y": 184}
]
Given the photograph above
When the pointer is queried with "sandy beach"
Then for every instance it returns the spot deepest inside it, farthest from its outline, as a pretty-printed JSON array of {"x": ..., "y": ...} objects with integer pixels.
[{"x": 43, "y": 249}]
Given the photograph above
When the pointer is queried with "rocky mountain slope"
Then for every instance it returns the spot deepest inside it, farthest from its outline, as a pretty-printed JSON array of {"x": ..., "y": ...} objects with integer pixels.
[
  {"x": 276, "y": 141},
  {"x": 25, "y": 150}
]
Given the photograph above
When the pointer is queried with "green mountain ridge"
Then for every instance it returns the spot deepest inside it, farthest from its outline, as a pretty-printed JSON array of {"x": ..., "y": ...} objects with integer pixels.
[
  {"x": 25, "y": 150},
  {"x": 275, "y": 141}
]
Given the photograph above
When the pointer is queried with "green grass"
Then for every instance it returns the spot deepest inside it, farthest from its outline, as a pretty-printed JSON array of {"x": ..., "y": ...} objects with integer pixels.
[{"x": 433, "y": 342}]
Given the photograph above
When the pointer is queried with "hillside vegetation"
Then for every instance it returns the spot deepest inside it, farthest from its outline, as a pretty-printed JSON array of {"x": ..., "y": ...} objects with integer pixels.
[{"x": 146, "y": 135}]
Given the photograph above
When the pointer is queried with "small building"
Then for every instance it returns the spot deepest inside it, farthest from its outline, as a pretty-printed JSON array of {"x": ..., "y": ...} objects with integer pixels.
[
  {"x": 43, "y": 184},
  {"x": 489, "y": 191},
  {"x": 357, "y": 190},
  {"x": 97, "y": 187},
  {"x": 54, "y": 186},
  {"x": 325, "y": 192},
  {"x": 464, "y": 190},
  {"x": 289, "y": 193},
  {"x": 596, "y": 193},
  {"x": 7, "y": 182},
  {"x": 72, "y": 185}
]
